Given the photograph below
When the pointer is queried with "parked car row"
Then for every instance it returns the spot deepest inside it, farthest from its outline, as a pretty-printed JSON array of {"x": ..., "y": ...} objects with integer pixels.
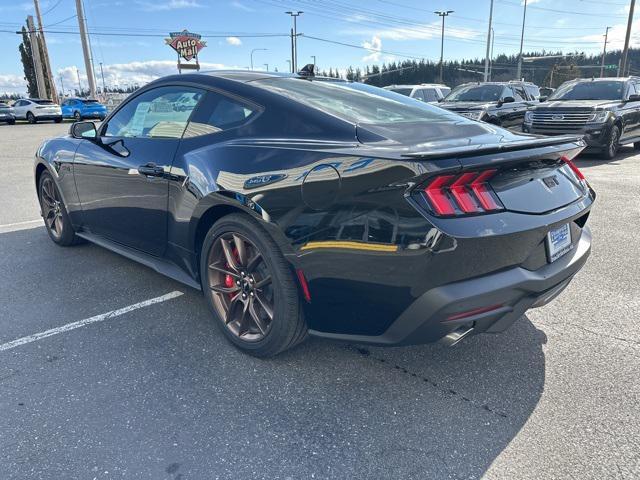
[
  {"x": 34, "y": 110},
  {"x": 606, "y": 111}
]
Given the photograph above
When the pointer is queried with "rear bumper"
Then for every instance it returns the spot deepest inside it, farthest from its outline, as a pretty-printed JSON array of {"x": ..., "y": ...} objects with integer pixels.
[
  {"x": 595, "y": 136},
  {"x": 7, "y": 117},
  {"x": 48, "y": 116},
  {"x": 512, "y": 292}
]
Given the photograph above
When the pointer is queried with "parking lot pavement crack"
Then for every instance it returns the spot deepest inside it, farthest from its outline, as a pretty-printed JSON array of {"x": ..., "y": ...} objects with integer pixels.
[
  {"x": 450, "y": 392},
  {"x": 629, "y": 341}
]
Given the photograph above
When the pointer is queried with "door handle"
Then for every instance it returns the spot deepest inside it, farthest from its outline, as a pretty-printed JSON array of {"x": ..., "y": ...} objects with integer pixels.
[{"x": 151, "y": 170}]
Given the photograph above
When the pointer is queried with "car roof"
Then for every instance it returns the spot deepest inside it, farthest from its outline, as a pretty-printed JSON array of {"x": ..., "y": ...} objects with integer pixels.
[
  {"x": 417, "y": 85},
  {"x": 605, "y": 79}
]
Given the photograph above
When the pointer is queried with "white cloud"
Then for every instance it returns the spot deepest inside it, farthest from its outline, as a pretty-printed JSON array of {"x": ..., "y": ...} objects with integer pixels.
[
  {"x": 374, "y": 46},
  {"x": 132, "y": 73},
  {"x": 616, "y": 36},
  {"x": 235, "y": 41},
  {"x": 10, "y": 83},
  {"x": 242, "y": 6},
  {"x": 167, "y": 5}
]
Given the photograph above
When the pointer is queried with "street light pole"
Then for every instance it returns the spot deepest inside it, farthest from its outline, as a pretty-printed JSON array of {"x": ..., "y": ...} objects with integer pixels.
[
  {"x": 486, "y": 58},
  {"x": 524, "y": 17},
  {"x": 294, "y": 40},
  {"x": 442, "y": 14},
  {"x": 289, "y": 62},
  {"x": 625, "y": 52},
  {"x": 604, "y": 51},
  {"x": 493, "y": 41},
  {"x": 266, "y": 66},
  {"x": 314, "y": 62},
  {"x": 255, "y": 50},
  {"x": 102, "y": 75}
]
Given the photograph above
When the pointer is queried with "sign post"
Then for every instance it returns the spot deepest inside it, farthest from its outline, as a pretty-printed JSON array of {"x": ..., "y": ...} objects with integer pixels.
[{"x": 187, "y": 45}]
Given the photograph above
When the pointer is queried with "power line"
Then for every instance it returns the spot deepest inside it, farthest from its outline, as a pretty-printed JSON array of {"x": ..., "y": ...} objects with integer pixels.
[{"x": 52, "y": 8}]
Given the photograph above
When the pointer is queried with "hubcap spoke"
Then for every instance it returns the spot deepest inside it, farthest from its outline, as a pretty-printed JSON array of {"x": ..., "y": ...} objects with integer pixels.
[
  {"x": 253, "y": 263},
  {"x": 265, "y": 306},
  {"x": 264, "y": 282},
  {"x": 228, "y": 254},
  {"x": 256, "y": 319},
  {"x": 241, "y": 248},
  {"x": 215, "y": 267},
  {"x": 223, "y": 289},
  {"x": 233, "y": 304}
]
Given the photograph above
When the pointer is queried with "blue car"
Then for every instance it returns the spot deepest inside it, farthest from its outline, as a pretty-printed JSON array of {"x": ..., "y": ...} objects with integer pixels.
[{"x": 81, "y": 108}]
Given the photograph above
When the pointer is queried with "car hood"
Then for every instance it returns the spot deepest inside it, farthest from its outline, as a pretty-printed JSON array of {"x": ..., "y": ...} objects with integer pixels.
[
  {"x": 576, "y": 104},
  {"x": 455, "y": 106}
]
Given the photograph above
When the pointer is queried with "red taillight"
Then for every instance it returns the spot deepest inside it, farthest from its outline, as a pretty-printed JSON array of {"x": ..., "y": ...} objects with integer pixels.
[
  {"x": 467, "y": 193},
  {"x": 573, "y": 167}
]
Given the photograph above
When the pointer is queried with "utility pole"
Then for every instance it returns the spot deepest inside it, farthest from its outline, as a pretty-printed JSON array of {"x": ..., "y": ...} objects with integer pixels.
[
  {"x": 102, "y": 75},
  {"x": 524, "y": 17},
  {"x": 493, "y": 41},
  {"x": 486, "y": 58},
  {"x": 255, "y": 50},
  {"x": 88, "y": 62},
  {"x": 442, "y": 14},
  {"x": 37, "y": 59},
  {"x": 604, "y": 51},
  {"x": 79, "y": 84},
  {"x": 61, "y": 85},
  {"x": 314, "y": 63},
  {"x": 45, "y": 53},
  {"x": 625, "y": 52},
  {"x": 289, "y": 62},
  {"x": 294, "y": 40}
]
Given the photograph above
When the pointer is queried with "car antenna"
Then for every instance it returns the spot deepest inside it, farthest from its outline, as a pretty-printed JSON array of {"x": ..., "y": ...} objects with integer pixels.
[{"x": 308, "y": 70}]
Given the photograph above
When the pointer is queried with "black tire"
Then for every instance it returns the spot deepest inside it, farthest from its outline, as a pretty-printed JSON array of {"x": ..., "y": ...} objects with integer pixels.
[
  {"x": 611, "y": 149},
  {"x": 61, "y": 232},
  {"x": 31, "y": 118},
  {"x": 58, "y": 120},
  {"x": 11, "y": 122},
  {"x": 77, "y": 116},
  {"x": 636, "y": 145},
  {"x": 287, "y": 327}
]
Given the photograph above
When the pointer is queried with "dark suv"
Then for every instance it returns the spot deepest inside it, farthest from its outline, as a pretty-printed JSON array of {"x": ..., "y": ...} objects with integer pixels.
[
  {"x": 500, "y": 103},
  {"x": 605, "y": 110}
]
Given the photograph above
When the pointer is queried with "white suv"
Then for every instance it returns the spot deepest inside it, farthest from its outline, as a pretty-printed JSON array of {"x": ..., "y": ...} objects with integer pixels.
[
  {"x": 36, "y": 109},
  {"x": 427, "y": 92}
]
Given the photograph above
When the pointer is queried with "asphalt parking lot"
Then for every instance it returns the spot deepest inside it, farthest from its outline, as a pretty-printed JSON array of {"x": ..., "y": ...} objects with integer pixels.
[{"x": 148, "y": 388}]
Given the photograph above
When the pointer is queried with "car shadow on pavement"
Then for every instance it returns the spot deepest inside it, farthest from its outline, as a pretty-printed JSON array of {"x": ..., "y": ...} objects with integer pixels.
[
  {"x": 593, "y": 159},
  {"x": 161, "y": 393}
]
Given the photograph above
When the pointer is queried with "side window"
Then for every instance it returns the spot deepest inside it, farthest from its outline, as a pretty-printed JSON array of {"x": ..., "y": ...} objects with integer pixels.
[
  {"x": 162, "y": 112},
  {"x": 419, "y": 95},
  {"x": 533, "y": 91},
  {"x": 19, "y": 103},
  {"x": 430, "y": 95},
  {"x": 633, "y": 90},
  {"x": 519, "y": 94},
  {"x": 217, "y": 113}
]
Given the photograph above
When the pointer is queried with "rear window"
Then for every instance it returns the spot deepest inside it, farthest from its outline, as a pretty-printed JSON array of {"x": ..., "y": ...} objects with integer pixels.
[
  {"x": 356, "y": 102},
  {"x": 89, "y": 101},
  {"x": 590, "y": 90},
  {"x": 43, "y": 102}
]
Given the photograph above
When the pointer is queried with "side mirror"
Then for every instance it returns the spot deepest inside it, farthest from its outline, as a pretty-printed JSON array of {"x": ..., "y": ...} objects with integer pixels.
[
  {"x": 634, "y": 98},
  {"x": 84, "y": 130},
  {"x": 542, "y": 99},
  {"x": 508, "y": 100},
  {"x": 441, "y": 100}
]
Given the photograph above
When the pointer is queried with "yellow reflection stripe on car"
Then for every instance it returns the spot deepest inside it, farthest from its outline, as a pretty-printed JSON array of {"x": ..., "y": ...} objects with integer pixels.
[{"x": 371, "y": 247}]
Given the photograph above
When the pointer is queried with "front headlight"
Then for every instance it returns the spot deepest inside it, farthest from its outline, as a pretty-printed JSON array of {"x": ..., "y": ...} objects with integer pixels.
[
  {"x": 528, "y": 117},
  {"x": 473, "y": 115},
  {"x": 600, "y": 117}
]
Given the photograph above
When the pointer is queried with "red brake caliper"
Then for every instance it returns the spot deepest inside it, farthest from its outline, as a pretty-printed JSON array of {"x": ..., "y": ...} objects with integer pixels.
[{"x": 228, "y": 279}]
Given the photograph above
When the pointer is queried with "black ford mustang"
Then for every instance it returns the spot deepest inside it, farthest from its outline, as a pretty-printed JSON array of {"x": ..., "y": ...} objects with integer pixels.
[{"x": 304, "y": 205}]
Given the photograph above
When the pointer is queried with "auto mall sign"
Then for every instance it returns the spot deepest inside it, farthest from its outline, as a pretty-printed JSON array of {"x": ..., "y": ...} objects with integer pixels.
[{"x": 186, "y": 44}]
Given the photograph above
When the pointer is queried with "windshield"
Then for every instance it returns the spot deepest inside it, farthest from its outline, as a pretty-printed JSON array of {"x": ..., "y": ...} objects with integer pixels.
[
  {"x": 401, "y": 91},
  {"x": 589, "y": 90},
  {"x": 356, "y": 102},
  {"x": 475, "y": 93}
]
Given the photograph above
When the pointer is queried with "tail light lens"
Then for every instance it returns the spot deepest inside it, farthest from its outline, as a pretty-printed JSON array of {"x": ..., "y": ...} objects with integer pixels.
[
  {"x": 575, "y": 169},
  {"x": 466, "y": 194}
]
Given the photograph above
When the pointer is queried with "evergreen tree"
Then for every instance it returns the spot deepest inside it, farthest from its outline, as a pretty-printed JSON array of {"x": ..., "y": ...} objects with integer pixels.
[{"x": 26, "y": 56}]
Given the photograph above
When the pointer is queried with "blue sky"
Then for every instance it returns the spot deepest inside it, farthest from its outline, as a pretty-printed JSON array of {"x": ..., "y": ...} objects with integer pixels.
[{"x": 387, "y": 29}]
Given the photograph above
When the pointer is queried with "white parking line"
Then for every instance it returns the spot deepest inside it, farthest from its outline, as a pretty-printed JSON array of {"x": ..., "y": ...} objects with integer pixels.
[
  {"x": 87, "y": 321},
  {"x": 13, "y": 227}
]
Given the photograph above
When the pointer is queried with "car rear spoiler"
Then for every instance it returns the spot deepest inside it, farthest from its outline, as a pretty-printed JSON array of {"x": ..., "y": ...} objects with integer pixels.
[{"x": 483, "y": 149}]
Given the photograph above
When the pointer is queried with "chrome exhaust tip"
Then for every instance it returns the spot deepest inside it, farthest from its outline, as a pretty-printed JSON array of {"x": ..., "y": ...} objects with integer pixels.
[{"x": 457, "y": 335}]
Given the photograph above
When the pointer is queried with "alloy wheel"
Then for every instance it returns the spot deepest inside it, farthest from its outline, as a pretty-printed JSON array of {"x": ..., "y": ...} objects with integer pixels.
[
  {"x": 613, "y": 142},
  {"x": 240, "y": 283},
  {"x": 77, "y": 116},
  {"x": 52, "y": 208}
]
